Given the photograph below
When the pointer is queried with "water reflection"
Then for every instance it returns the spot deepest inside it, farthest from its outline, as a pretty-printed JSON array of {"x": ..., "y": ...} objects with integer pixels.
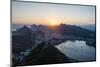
[{"x": 78, "y": 50}]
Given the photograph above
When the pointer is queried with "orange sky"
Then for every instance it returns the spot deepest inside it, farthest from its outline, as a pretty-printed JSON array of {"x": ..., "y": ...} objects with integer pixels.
[{"x": 42, "y": 13}]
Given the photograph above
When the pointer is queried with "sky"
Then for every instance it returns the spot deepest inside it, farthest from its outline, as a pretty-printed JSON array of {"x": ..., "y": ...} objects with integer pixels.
[{"x": 44, "y": 13}]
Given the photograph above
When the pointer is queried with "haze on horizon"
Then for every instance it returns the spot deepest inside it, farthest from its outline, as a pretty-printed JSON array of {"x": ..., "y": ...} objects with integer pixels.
[{"x": 43, "y": 13}]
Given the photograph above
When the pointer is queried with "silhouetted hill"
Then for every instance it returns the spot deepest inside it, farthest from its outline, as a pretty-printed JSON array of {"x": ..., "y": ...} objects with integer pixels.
[
  {"x": 22, "y": 39},
  {"x": 90, "y": 27},
  {"x": 25, "y": 31},
  {"x": 63, "y": 32},
  {"x": 78, "y": 33},
  {"x": 75, "y": 30},
  {"x": 45, "y": 54}
]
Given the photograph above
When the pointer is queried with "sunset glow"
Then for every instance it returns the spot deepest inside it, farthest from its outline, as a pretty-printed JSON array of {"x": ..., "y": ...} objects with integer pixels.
[
  {"x": 53, "y": 22},
  {"x": 51, "y": 14}
]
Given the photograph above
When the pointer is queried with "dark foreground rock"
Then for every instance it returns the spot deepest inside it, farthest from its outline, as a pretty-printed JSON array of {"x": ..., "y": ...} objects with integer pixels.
[{"x": 45, "y": 55}]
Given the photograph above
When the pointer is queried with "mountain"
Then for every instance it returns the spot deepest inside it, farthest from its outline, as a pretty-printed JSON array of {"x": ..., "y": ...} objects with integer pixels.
[
  {"x": 72, "y": 32},
  {"x": 45, "y": 38},
  {"x": 34, "y": 27},
  {"x": 22, "y": 39},
  {"x": 24, "y": 31},
  {"x": 15, "y": 27},
  {"x": 59, "y": 34},
  {"x": 89, "y": 27},
  {"x": 45, "y": 54}
]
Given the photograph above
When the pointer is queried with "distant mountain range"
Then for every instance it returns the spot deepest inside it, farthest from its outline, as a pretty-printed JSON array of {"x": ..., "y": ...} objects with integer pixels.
[
  {"x": 89, "y": 27},
  {"x": 41, "y": 40},
  {"x": 59, "y": 33}
]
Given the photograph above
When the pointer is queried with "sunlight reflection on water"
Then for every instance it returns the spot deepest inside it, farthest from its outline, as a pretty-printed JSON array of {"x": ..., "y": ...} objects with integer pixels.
[{"x": 77, "y": 50}]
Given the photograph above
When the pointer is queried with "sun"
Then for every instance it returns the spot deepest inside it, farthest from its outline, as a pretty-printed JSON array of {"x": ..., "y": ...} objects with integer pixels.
[{"x": 53, "y": 22}]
